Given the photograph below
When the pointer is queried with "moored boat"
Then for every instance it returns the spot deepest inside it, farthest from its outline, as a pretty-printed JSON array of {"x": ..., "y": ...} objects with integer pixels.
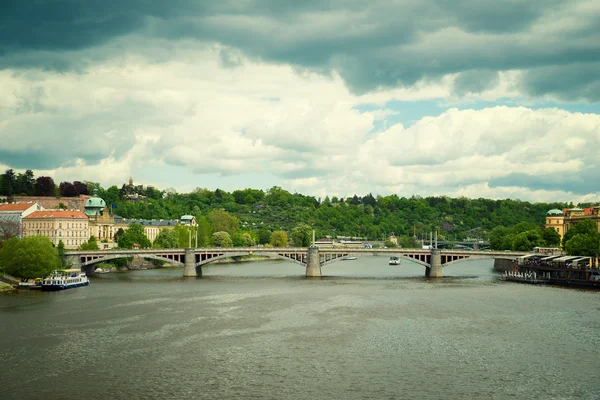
[
  {"x": 60, "y": 280},
  {"x": 526, "y": 277},
  {"x": 348, "y": 258}
]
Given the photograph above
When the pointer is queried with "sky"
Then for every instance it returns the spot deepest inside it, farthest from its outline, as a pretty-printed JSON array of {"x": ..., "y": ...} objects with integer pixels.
[{"x": 474, "y": 98}]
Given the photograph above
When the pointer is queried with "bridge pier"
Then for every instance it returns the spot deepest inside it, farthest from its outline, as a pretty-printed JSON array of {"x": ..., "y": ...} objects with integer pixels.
[
  {"x": 73, "y": 262},
  {"x": 88, "y": 269},
  {"x": 189, "y": 265},
  {"x": 313, "y": 263},
  {"x": 435, "y": 268}
]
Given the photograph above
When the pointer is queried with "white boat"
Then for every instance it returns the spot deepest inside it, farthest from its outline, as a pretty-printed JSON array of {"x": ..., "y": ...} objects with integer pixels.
[
  {"x": 350, "y": 258},
  {"x": 394, "y": 260},
  {"x": 60, "y": 280}
]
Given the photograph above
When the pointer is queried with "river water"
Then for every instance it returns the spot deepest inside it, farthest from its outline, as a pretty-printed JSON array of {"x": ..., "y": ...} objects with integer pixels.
[{"x": 260, "y": 330}]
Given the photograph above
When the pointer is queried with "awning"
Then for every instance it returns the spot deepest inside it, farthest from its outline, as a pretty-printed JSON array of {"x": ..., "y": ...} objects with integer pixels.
[
  {"x": 577, "y": 260},
  {"x": 548, "y": 258},
  {"x": 565, "y": 258}
]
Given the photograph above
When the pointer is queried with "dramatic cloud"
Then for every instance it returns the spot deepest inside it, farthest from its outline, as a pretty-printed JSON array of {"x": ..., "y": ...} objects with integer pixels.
[
  {"x": 334, "y": 97},
  {"x": 385, "y": 44}
]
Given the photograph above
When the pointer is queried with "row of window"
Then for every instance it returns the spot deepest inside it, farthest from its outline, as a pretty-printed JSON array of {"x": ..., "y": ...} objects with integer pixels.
[
  {"x": 74, "y": 225},
  {"x": 59, "y": 233}
]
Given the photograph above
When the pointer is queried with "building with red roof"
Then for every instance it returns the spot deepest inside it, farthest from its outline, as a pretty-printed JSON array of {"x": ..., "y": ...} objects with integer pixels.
[
  {"x": 72, "y": 227},
  {"x": 11, "y": 217}
]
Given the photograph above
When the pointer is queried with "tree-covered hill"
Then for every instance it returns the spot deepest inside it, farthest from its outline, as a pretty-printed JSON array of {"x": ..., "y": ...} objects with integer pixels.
[
  {"x": 367, "y": 216},
  {"x": 372, "y": 217}
]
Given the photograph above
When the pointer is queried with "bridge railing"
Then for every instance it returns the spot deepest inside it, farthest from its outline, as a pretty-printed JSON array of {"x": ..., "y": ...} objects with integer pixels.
[{"x": 258, "y": 250}]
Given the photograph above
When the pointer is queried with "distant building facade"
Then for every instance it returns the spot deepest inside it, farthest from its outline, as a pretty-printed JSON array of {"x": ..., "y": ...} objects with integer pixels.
[
  {"x": 563, "y": 220},
  {"x": 152, "y": 227},
  {"x": 69, "y": 226}
]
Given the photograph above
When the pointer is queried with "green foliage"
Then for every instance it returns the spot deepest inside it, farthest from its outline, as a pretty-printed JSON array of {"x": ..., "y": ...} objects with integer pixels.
[
  {"x": 203, "y": 230},
  {"x": 551, "y": 237},
  {"x": 91, "y": 244},
  {"x": 184, "y": 236},
  {"x": 29, "y": 258},
  {"x": 166, "y": 239},
  {"x": 302, "y": 235},
  {"x": 134, "y": 235},
  {"x": 368, "y": 216},
  {"x": 264, "y": 236},
  {"x": 238, "y": 239},
  {"x": 223, "y": 221},
  {"x": 222, "y": 239},
  {"x": 389, "y": 243},
  {"x": 585, "y": 227},
  {"x": 583, "y": 245},
  {"x": 279, "y": 239},
  {"x": 60, "y": 249}
]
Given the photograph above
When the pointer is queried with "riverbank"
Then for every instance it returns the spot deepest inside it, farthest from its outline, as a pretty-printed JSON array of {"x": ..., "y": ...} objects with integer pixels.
[{"x": 5, "y": 287}]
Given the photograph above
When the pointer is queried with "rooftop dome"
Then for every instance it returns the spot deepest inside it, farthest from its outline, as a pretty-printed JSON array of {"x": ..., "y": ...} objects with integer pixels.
[
  {"x": 94, "y": 206},
  {"x": 95, "y": 202},
  {"x": 555, "y": 211}
]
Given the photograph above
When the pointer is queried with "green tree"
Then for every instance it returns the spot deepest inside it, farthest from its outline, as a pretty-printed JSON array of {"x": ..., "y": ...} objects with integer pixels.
[
  {"x": 302, "y": 235},
  {"x": 91, "y": 244},
  {"x": 389, "y": 243},
  {"x": 223, "y": 221},
  {"x": 184, "y": 236},
  {"x": 551, "y": 237},
  {"x": 498, "y": 238},
  {"x": 238, "y": 239},
  {"x": 60, "y": 249},
  {"x": 28, "y": 258},
  {"x": 279, "y": 239},
  {"x": 585, "y": 227},
  {"x": 203, "y": 231},
  {"x": 583, "y": 245},
  {"x": 521, "y": 242},
  {"x": 9, "y": 183},
  {"x": 249, "y": 240},
  {"x": 166, "y": 239},
  {"x": 134, "y": 235},
  {"x": 222, "y": 239},
  {"x": 25, "y": 183},
  {"x": 118, "y": 234},
  {"x": 264, "y": 236}
]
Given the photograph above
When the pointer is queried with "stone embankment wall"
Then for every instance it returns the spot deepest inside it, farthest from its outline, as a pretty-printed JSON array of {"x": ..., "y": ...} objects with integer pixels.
[
  {"x": 49, "y": 202},
  {"x": 503, "y": 264}
]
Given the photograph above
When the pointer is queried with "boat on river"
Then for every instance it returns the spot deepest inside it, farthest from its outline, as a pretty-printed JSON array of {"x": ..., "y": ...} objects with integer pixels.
[
  {"x": 394, "y": 260},
  {"x": 60, "y": 280},
  {"x": 555, "y": 270},
  {"x": 349, "y": 258},
  {"x": 525, "y": 277}
]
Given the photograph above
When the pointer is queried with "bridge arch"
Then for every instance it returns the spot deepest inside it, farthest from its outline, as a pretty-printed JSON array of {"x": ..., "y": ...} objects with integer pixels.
[
  {"x": 144, "y": 256},
  {"x": 415, "y": 260},
  {"x": 473, "y": 257},
  {"x": 231, "y": 255}
]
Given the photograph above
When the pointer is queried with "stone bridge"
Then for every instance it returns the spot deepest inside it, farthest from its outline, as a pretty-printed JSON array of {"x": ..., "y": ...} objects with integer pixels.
[{"x": 312, "y": 258}]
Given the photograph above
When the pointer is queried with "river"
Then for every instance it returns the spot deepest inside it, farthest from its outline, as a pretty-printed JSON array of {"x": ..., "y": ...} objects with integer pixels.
[{"x": 260, "y": 330}]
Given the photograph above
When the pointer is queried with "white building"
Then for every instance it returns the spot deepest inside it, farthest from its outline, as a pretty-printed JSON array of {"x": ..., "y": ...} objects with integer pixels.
[{"x": 12, "y": 214}]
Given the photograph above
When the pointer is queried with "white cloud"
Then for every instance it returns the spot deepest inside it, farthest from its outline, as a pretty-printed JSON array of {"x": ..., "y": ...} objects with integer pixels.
[{"x": 123, "y": 115}]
